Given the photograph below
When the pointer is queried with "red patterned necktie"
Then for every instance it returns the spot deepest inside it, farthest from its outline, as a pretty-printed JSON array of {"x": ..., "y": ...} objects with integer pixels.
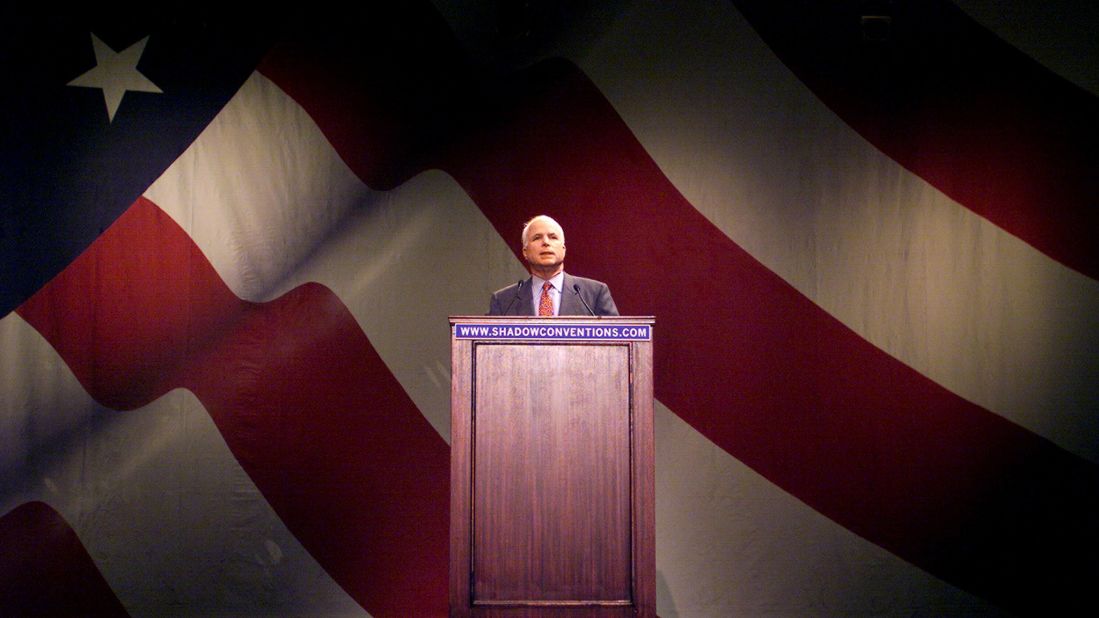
[{"x": 545, "y": 304}]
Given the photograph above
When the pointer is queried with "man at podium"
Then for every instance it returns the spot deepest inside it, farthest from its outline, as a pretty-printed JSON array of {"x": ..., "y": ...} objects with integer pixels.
[{"x": 550, "y": 291}]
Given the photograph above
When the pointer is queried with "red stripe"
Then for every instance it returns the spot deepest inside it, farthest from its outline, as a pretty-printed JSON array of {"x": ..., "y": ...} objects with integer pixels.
[
  {"x": 303, "y": 400},
  {"x": 45, "y": 570},
  {"x": 947, "y": 99},
  {"x": 744, "y": 358}
]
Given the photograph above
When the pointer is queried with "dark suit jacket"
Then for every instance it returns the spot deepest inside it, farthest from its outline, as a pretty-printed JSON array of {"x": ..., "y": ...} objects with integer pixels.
[{"x": 517, "y": 300}]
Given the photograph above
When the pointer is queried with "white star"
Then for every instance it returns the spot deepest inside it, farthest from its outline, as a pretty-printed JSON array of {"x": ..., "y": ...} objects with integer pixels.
[{"x": 115, "y": 73}]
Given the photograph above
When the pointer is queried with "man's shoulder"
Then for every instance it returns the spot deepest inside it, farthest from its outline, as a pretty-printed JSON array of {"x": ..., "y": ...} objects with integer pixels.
[
  {"x": 583, "y": 282},
  {"x": 512, "y": 289},
  {"x": 596, "y": 294}
]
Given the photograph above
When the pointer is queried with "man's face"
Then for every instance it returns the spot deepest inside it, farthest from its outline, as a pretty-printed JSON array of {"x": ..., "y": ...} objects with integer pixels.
[{"x": 545, "y": 248}]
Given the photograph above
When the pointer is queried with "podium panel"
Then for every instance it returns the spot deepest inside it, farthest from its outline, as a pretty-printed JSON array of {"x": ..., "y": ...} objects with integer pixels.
[
  {"x": 551, "y": 467},
  {"x": 551, "y": 479}
]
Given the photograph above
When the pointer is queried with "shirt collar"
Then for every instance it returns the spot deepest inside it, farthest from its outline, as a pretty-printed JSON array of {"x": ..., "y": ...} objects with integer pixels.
[{"x": 557, "y": 281}]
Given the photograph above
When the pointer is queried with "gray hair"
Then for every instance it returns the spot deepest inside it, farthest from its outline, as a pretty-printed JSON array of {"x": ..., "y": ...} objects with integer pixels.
[{"x": 545, "y": 218}]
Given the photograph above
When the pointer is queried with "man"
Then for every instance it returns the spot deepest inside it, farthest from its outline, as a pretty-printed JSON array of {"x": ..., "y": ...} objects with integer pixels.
[{"x": 550, "y": 290}]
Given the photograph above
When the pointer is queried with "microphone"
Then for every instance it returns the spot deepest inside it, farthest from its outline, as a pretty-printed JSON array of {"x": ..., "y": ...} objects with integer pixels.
[
  {"x": 518, "y": 290},
  {"x": 576, "y": 288}
]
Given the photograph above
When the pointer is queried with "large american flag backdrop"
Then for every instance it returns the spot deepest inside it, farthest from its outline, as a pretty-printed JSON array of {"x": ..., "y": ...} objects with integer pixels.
[{"x": 867, "y": 232}]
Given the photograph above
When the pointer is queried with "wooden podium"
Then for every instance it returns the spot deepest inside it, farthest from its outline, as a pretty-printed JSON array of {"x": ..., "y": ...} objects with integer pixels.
[{"x": 551, "y": 493}]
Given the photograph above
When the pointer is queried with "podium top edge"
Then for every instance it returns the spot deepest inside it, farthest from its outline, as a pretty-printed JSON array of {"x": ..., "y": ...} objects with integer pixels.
[{"x": 482, "y": 319}]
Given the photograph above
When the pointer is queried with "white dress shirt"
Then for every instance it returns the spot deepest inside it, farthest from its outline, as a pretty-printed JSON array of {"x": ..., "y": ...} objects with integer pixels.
[{"x": 555, "y": 292}]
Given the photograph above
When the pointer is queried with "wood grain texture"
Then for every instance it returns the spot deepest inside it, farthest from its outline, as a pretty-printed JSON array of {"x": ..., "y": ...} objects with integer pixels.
[{"x": 551, "y": 486}]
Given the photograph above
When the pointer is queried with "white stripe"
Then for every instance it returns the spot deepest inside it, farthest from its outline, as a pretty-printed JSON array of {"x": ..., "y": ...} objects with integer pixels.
[
  {"x": 729, "y": 543},
  {"x": 169, "y": 517},
  {"x": 401, "y": 261},
  {"x": 972, "y": 307},
  {"x": 259, "y": 189}
]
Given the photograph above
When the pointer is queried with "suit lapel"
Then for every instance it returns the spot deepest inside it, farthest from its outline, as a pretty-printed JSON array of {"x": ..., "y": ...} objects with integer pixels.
[
  {"x": 570, "y": 304},
  {"x": 525, "y": 305}
]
